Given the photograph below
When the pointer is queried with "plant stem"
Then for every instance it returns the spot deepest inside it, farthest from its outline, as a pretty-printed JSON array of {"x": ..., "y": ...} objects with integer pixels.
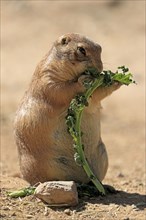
[
  {"x": 22, "y": 192},
  {"x": 80, "y": 150}
]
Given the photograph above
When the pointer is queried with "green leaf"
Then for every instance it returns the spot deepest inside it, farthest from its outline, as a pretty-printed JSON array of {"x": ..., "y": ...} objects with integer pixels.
[
  {"x": 123, "y": 78},
  {"x": 22, "y": 192}
]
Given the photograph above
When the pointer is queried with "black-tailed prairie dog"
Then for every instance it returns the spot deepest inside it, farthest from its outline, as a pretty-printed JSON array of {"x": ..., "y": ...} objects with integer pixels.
[{"x": 45, "y": 147}]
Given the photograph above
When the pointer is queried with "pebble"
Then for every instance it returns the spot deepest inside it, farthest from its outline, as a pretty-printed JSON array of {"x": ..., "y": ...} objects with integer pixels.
[
  {"x": 67, "y": 211},
  {"x": 133, "y": 206},
  {"x": 13, "y": 214},
  {"x": 124, "y": 183},
  {"x": 74, "y": 212},
  {"x": 29, "y": 216},
  {"x": 120, "y": 175},
  {"x": 46, "y": 211},
  {"x": 6, "y": 208}
]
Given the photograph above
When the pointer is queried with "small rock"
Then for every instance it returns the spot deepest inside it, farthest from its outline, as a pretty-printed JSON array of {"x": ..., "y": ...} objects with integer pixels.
[
  {"x": 5, "y": 208},
  {"x": 74, "y": 212},
  {"x": 13, "y": 214},
  {"x": 124, "y": 183},
  {"x": 29, "y": 216},
  {"x": 67, "y": 211},
  {"x": 46, "y": 211},
  {"x": 58, "y": 193},
  {"x": 133, "y": 206},
  {"x": 120, "y": 175}
]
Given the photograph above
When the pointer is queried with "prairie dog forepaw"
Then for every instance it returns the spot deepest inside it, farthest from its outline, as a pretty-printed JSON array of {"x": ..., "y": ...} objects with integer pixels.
[
  {"x": 83, "y": 79},
  {"x": 117, "y": 85}
]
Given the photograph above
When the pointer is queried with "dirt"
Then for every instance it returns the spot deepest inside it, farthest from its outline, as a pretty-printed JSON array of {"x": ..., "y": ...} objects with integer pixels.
[{"x": 27, "y": 30}]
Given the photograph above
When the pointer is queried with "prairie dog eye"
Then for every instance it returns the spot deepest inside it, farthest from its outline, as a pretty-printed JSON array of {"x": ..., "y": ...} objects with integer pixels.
[{"x": 81, "y": 50}]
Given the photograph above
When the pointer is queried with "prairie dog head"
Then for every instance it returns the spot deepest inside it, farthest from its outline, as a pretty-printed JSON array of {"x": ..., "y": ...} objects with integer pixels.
[{"x": 71, "y": 54}]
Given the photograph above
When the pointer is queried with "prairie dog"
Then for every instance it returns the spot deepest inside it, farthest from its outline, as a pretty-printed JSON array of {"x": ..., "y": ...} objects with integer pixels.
[{"x": 45, "y": 147}]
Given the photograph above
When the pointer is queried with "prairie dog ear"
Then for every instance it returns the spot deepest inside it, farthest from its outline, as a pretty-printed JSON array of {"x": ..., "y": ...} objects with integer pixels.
[{"x": 64, "y": 40}]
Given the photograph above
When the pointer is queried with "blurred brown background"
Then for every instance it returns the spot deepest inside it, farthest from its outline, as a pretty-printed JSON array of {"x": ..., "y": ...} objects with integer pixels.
[{"x": 28, "y": 30}]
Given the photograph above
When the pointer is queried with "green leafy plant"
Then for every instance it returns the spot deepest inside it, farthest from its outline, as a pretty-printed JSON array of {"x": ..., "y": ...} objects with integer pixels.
[
  {"x": 77, "y": 105},
  {"x": 22, "y": 192}
]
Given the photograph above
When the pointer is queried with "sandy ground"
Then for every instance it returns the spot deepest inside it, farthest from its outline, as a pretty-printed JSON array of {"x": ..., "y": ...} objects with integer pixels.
[{"x": 27, "y": 30}]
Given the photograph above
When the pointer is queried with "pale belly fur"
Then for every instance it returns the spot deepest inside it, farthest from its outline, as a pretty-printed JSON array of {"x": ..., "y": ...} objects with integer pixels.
[
  {"x": 64, "y": 151},
  {"x": 50, "y": 156}
]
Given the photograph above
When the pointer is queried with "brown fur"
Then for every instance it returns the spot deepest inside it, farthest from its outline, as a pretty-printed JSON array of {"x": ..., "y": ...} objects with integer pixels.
[{"x": 44, "y": 145}]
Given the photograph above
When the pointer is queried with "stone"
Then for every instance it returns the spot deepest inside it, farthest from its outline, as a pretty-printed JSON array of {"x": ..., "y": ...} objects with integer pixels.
[
  {"x": 67, "y": 211},
  {"x": 46, "y": 211},
  {"x": 121, "y": 175},
  {"x": 58, "y": 193}
]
